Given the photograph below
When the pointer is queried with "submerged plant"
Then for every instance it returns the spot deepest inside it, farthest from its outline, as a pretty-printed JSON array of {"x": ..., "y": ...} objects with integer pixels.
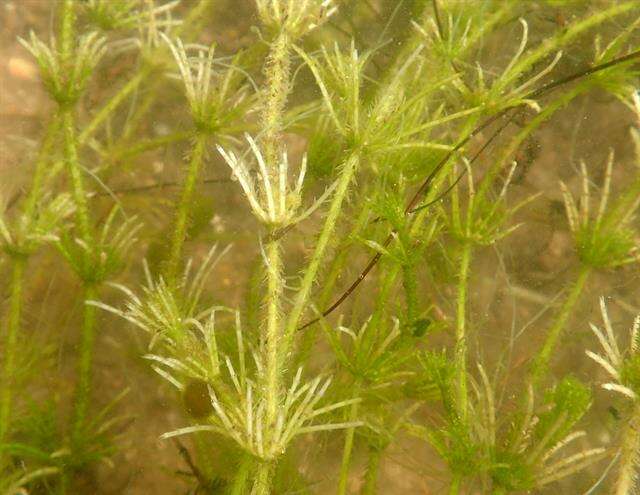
[{"x": 401, "y": 132}]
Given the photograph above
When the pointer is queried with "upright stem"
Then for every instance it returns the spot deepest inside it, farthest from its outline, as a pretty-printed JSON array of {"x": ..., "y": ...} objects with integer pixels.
[
  {"x": 85, "y": 362},
  {"x": 347, "y": 449},
  {"x": 184, "y": 208},
  {"x": 31, "y": 201},
  {"x": 277, "y": 71},
  {"x": 272, "y": 340},
  {"x": 273, "y": 336},
  {"x": 371, "y": 474},
  {"x": 75, "y": 174},
  {"x": 461, "y": 331},
  {"x": 629, "y": 454},
  {"x": 454, "y": 489},
  {"x": 85, "y": 359},
  {"x": 344, "y": 181},
  {"x": 67, "y": 31},
  {"x": 241, "y": 476},
  {"x": 263, "y": 479},
  {"x": 115, "y": 101},
  {"x": 541, "y": 362},
  {"x": 277, "y": 89},
  {"x": 10, "y": 343}
]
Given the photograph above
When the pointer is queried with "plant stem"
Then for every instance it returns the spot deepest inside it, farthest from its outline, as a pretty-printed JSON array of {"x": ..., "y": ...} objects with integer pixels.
[
  {"x": 67, "y": 31},
  {"x": 344, "y": 181},
  {"x": 461, "y": 331},
  {"x": 263, "y": 479},
  {"x": 371, "y": 474},
  {"x": 31, "y": 201},
  {"x": 77, "y": 183},
  {"x": 629, "y": 452},
  {"x": 277, "y": 72},
  {"x": 541, "y": 362},
  {"x": 271, "y": 344},
  {"x": 273, "y": 335},
  {"x": 85, "y": 359},
  {"x": 10, "y": 344},
  {"x": 113, "y": 104},
  {"x": 454, "y": 489},
  {"x": 241, "y": 477},
  {"x": 347, "y": 449},
  {"x": 85, "y": 362},
  {"x": 184, "y": 208}
]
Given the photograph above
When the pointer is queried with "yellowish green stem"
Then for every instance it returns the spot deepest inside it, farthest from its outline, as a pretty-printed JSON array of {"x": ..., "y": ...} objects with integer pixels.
[
  {"x": 85, "y": 364},
  {"x": 302, "y": 296},
  {"x": 76, "y": 176},
  {"x": 116, "y": 100},
  {"x": 277, "y": 71},
  {"x": 9, "y": 347},
  {"x": 461, "y": 331},
  {"x": 183, "y": 211},
  {"x": 371, "y": 473},
  {"x": 542, "y": 360},
  {"x": 273, "y": 334},
  {"x": 263, "y": 479}
]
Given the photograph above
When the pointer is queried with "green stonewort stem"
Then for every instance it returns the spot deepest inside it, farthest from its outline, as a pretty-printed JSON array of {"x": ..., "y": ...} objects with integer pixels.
[
  {"x": 67, "y": 31},
  {"x": 336, "y": 269},
  {"x": 347, "y": 449},
  {"x": 541, "y": 361},
  {"x": 629, "y": 452},
  {"x": 460, "y": 353},
  {"x": 9, "y": 347},
  {"x": 273, "y": 335},
  {"x": 112, "y": 105},
  {"x": 184, "y": 208},
  {"x": 454, "y": 489},
  {"x": 264, "y": 479},
  {"x": 371, "y": 473},
  {"x": 302, "y": 296},
  {"x": 277, "y": 71},
  {"x": 241, "y": 476},
  {"x": 75, "y": 174},
  {"x": 85, "y": 363},
  {"x": 310, "y": 335},
  {"x": 31, "y": 201}
]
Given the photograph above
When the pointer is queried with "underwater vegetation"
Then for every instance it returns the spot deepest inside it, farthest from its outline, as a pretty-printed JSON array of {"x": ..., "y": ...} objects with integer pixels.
[{"x": 323, "y": 246}]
